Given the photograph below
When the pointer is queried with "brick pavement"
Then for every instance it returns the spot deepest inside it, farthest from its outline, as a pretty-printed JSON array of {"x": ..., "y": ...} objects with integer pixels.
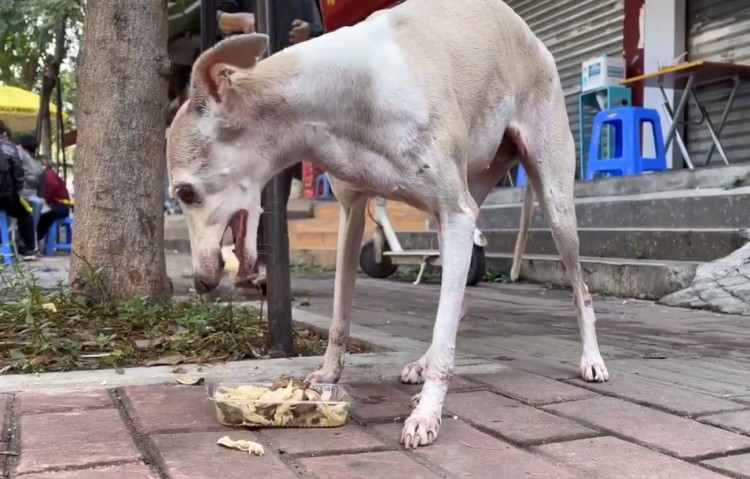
[
  {"x": 514, "y": 423},
  {"x": 683, "y": 412}
]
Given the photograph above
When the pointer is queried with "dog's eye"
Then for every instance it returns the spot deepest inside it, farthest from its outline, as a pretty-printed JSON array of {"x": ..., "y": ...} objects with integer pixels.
[{"x": 186, "y": 194}]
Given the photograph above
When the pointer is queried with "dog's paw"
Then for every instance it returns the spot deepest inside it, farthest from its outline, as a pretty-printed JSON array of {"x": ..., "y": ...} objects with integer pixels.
[
  {"x": 594, "y": 370},
  {"x": 323, "y": 376},
  {"x": 413, "y": 373},
  {"x": 420, "y": 429}
]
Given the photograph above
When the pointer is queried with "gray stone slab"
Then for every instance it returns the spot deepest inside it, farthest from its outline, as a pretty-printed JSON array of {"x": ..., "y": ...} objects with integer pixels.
[
  {"x": 681, "y": 401},
  {"x": 677, "y": 435}
]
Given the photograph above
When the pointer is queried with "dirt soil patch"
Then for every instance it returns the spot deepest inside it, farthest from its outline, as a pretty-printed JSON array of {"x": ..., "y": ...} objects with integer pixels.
[{"x": 53, "y": 330}]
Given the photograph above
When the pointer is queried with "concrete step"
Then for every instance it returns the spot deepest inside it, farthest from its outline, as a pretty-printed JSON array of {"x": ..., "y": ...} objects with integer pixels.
[
  {"x": 331, "y": 225},
  {"x": 662, "y": 244},
  {"x": 626, "y": 278},
  {"x": 712, "y": 177},
  {"x": 330, "y": 209},
  {"x": 703, "y": 208}
]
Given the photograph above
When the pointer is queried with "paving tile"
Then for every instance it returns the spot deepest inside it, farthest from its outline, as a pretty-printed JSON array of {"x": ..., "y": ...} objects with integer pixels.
[
  {"x": 197, "y": 456},
  {"x": 513, "y": 420},
  {"x": 171, "y": 409},
  {"x": 375, "y": 402},
  {"x": 680, "y": 436},
  {"x": 459, "y": 384},
  {"x": 366, "y": 466},
  {"x": 671, "y": 398},
  {"x": 130, "y": 471},
  {"x": 739, "y": 465},
  {"x": 736, "y": 421},
  {"x": 547, "y": 368},
  {"x": 74, "y": 439},
  {"x": 623, "y": 460},
  {"x": 346, "y": 439},
  {"x": 45, "y": 402},
  {"x": 469, "y": 453},
  {"x": 531, "y": 388}
]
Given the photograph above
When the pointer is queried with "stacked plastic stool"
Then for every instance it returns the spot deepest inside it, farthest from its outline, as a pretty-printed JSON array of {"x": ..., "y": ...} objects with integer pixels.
[
  {"x": 52, "y": 243},
  {"x": 6, "y": 250},
  {"x": 322, "y": 186},
  {"x": 628, "y": 159},
  {"x": 521, "y": 177}
]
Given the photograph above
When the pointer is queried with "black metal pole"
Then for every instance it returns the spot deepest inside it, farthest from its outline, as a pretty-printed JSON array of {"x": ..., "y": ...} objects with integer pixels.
[
  {"x": 275, "y": 233},
  {"x": 208, "y": 24}
]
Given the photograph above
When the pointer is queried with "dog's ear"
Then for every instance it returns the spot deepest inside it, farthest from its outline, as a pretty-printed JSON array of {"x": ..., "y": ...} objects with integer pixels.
[{"x": 212, "y": 69}]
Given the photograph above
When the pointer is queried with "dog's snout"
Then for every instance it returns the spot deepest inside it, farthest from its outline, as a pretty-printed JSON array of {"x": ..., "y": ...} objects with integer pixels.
[{"x": 203, "y": 286}]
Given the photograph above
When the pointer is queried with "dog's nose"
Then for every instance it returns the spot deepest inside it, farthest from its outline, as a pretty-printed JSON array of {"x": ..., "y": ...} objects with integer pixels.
[{"x": 202, "y": 286}]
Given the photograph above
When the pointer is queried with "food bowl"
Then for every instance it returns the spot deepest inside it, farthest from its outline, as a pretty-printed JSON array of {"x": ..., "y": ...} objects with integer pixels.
[{"x": 290, "y": 403}]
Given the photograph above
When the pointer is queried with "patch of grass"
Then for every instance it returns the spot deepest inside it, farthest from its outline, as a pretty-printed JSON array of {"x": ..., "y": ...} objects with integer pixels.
[
  {"x": 434, "y": 274},
  {"x": 53, "y": 330},
  {"x": 737, "y": 182},
  {"x": 309, "y": 267},
  {"x": 492, "y": 276}
]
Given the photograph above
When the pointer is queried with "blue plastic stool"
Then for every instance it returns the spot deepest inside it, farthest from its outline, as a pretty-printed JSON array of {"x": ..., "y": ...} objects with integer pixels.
[
  {"x": 521, "y": 177},
  {"x": 322, "y": 186},
  {"x": 627, "y": 160},
  {"x": 52, "y": 245},
  {"x": 6, "y": 250}
]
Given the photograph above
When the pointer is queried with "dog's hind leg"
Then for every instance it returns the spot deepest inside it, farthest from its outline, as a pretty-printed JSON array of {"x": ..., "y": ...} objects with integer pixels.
[
  {"x": 548, "y": 155},
  {"x": 351, "y": 230}
]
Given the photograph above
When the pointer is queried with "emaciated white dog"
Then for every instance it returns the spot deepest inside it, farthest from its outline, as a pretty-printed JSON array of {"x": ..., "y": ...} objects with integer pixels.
[{"x": 429, "y": 103}]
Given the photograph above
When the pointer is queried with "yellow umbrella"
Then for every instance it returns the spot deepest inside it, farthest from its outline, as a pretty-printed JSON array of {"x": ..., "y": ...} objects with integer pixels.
[{"x": 19, "y": 108}]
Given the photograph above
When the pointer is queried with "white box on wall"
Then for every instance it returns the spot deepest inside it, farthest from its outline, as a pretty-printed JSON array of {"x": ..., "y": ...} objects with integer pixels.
[{"x": 602, "y": 71}]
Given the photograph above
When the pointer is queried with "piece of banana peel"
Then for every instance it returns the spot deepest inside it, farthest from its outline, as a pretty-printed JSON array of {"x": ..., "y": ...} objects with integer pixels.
[{"x": 232, "y": 266}]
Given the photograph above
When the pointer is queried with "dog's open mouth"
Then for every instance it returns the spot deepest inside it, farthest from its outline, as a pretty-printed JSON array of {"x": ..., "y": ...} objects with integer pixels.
[{"x": 238, "y": 223}]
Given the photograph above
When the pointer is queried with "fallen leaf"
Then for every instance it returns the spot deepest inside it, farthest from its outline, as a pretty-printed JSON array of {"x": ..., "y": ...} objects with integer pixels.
[
  {"x": 654, "y": 356},
  {"x": 38, "y": 360},
  {"x": 189, "y": 379},
  {"x": 50, "y": 307},
  {"x": 241, "y": 445},
  {"x": 143, "y": 344},
  {"x": 169, "y": 360},
  {"x": 5, "y": 369}
]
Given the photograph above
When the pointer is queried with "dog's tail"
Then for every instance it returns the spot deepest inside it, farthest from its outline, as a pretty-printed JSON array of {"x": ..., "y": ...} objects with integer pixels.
[{"x": 527, "y": 208}]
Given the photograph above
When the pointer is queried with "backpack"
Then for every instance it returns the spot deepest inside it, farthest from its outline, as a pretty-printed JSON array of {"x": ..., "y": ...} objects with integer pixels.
[{"x": 8, "y": 155}]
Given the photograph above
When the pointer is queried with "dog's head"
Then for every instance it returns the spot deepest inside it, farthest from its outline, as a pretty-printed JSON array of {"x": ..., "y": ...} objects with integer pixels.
[{"x": 220, "y": 152}]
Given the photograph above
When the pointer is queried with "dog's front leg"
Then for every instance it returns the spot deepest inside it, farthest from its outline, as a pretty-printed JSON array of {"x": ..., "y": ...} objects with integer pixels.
[
  {"x": 456, "y": 238},
  {"x": 351, "y": 229}
]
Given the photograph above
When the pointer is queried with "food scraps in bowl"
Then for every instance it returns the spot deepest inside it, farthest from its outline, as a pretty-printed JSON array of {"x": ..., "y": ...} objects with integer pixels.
[{"x": 288, "y": 402}]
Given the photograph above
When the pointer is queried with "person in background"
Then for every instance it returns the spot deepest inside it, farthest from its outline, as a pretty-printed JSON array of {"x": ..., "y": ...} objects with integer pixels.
[
  {"x": 57, "y": 198},
  {"x": 33, "y": 168},
  {"x": 11, "y": 185},
  {"x": 300, "y": 20}
]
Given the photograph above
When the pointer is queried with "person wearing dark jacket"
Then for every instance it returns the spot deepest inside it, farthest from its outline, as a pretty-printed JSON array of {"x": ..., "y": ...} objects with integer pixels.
[
  {"x": 296, "y": 21},
  {"x": 12, "y": 182}
]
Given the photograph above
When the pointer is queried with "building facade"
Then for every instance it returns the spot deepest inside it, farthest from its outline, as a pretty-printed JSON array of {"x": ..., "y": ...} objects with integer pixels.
[{"x": 650, "y": 33}]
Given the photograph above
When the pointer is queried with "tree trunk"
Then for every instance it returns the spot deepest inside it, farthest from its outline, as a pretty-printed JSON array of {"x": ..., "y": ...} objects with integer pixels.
[{"x": 118, "y": 244}]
